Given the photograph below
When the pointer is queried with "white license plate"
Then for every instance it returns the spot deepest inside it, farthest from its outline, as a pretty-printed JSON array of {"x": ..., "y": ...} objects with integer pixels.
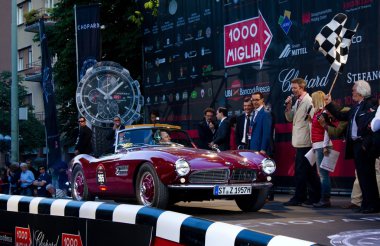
[{"x": 232, "y": 190}]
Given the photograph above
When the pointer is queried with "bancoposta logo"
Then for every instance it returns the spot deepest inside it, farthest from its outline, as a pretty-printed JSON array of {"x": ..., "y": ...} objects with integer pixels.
[{"x": 236, "y": 91}]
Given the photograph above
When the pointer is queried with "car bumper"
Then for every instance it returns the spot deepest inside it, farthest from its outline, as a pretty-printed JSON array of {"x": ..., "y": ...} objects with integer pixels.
[{"x": 211, "y": 186}]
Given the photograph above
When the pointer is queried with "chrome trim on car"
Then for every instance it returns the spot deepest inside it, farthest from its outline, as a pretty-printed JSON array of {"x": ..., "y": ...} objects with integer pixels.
[
  {"x": 243, "y": 175},
  {"x": 211, "y": 186},
  {"x": 121, "y": 171},
  {"x": 211, "y": 176}
]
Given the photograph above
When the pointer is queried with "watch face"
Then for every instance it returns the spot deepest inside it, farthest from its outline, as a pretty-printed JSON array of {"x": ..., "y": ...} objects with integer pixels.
[{"x": 107, "y": 90}]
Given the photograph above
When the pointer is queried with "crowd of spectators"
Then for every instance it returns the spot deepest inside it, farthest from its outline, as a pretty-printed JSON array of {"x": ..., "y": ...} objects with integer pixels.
[{"x": 24, "y": 179}]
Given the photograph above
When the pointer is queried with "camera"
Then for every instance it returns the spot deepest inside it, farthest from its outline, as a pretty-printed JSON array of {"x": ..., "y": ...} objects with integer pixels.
[{"x": 326, "y": 117}]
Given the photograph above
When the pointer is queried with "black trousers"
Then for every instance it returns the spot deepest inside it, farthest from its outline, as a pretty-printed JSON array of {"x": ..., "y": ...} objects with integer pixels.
[
  {"x": 365, "y": 169},
  {"x": 308, "y": 184}
]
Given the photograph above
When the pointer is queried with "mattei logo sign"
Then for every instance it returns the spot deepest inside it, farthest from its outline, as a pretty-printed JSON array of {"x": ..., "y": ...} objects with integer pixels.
[{"x": 246, "y": 41}]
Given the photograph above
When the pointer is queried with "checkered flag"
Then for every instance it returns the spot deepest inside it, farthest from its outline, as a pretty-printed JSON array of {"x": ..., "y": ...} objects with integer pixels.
[{"x": 334, "y": 41}]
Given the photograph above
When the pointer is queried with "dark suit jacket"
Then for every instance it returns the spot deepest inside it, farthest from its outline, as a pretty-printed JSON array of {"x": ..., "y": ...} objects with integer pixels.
[
  {"x": 112, "y": 138},
  {"x": 205, "y": 134},
  {"x": 363, "y": 118},
  {"x": 239, "y": 131},
  {"x": 261, "y": 132},
  {"x": 222, "y": 135},
  {"x": 84, "y": 144},
  {"x": 111, "y": 135}
]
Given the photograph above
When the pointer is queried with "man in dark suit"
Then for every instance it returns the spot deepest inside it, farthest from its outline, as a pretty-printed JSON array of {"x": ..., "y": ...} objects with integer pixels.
[
  {"x": 243, "y": 125},
  {"x": 206, "y": 128},
  {"x": 83, "y": 144},
  {"x": 117, "y": 126},
  {"x": 357, "y": 136},
  {"x": 222, "y": 135},
  {"x": 261, "y": 125}
]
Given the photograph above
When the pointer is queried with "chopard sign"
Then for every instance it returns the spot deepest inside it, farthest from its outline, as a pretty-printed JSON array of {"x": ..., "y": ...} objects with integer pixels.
[{"x": 286, "y": 75}]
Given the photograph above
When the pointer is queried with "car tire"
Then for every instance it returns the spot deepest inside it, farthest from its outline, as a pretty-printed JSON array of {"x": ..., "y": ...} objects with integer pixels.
[
  {"x": 79, "y": 187},
  {"x": 150, "y": 191},
  {"x": 253, "y": 202}
]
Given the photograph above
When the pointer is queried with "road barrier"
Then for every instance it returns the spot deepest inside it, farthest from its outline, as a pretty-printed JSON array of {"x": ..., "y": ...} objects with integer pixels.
[{"x": 68, "y": 222}]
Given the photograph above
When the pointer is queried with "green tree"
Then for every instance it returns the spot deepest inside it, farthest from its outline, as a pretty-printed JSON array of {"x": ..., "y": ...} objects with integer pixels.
[
  {"x": 121, "y": 42},
  {"x": 32, "y": 134}
]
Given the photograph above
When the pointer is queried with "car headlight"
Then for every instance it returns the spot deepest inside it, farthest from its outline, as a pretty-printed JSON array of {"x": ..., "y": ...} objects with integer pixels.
[
  {"x": 268, "y": 166},
  {"x": 182, "y": 167}
]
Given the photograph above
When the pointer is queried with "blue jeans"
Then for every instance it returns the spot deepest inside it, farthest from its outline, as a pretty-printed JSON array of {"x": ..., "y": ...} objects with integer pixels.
[{"x": 324, "y": 175}]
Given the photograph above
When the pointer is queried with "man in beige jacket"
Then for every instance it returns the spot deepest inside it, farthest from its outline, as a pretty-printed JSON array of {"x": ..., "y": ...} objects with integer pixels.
[{"x": 308, "y": 185}]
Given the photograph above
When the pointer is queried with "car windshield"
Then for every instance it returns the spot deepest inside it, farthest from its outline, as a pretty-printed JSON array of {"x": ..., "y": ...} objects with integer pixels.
[{"x": 152, "y": 136}]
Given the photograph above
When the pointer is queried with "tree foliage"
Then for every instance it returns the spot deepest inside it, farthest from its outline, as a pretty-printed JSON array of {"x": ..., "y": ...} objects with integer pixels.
[
  {"x": 121, "y": 43},
  {"x": 32, "y": 134}
]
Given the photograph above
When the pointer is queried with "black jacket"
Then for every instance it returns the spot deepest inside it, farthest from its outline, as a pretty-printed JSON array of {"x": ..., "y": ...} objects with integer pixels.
[
  {"x": 240, "y": 121},
  {"x": 205, "y": 134},
  {"x": 222, "y": 135},
  {"x": 363, "y": 119},
  {"x": 84, "y": 144}
]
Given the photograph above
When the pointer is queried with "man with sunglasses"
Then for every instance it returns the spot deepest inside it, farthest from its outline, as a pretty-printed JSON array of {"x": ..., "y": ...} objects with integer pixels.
[
  {"x": 43, "y": 180},
  {"x": 117, "y": 126},
  {"x": 83, "y": 144}
]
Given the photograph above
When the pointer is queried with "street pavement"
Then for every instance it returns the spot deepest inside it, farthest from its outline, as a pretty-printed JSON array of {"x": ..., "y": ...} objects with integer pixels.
[{"x": 329, "y": 226}]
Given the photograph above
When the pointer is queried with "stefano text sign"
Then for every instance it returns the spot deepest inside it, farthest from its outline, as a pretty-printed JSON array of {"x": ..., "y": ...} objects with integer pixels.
[{"x": 246, "y": 41}]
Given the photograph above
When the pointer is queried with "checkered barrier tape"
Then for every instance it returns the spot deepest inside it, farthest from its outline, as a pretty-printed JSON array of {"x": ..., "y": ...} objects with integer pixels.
[{"x": 175, "y": 227}]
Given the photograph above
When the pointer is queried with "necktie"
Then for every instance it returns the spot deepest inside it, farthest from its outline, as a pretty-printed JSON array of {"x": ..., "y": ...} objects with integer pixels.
[
  {"x": 246, "y": 128},
  {"x": 254, "y": 116}
]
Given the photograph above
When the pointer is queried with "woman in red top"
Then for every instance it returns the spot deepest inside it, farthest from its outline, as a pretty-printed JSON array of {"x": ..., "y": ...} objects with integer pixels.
[{"x": 321, "y": 145}]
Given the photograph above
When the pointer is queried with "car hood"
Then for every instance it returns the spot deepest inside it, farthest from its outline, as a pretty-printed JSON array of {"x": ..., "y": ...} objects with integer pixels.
[{"x": 199, "y": 158}]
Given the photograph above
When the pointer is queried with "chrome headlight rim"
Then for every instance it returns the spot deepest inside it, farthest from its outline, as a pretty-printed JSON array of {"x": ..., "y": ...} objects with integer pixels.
[
  {"x": 182, "y": 167},
  {"x": 268, "y": 166}
]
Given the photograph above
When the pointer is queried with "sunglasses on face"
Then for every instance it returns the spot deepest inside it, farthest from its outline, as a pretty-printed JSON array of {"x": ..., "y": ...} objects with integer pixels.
[{"x": 81, "y": 121}]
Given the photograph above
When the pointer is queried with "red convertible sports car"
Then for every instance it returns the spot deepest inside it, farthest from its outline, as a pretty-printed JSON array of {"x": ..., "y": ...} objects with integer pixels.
[{"x": 160, "y": 165}]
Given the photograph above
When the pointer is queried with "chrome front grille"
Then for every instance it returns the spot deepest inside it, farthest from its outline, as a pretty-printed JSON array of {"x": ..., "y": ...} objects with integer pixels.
[
  {"x": 243, "y": 175},
  {"x": 214, "y": 176}
]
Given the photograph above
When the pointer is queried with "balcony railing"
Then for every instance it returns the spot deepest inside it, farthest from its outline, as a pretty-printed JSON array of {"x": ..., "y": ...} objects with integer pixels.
[
  {"x": 32, "y": 19},
  {"x": 40, "y": 116},
  {"x": 32, "y": 71}
]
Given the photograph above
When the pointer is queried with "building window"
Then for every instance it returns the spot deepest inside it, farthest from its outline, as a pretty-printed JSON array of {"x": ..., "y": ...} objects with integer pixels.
[
  {"x": 30, "y": 57},
  {"x": 20, "y": 15},
  {"x": 24, "y": 58},
  {"x": 22, "y": 9},
  {"x": 49, "y": 3},
  {"x": 20, "y": 64},
  {"x": 29, "y": 5},
  {"x": 27, "y": 100}
]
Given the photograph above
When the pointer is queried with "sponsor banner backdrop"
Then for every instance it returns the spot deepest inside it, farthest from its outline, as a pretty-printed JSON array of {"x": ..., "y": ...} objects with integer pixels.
[
  {"x": 199, "y": 54},
  {"x": 47, "y": 84},
  {"x": 32, "y": 229},
  {"x": 87, "y": 32}
]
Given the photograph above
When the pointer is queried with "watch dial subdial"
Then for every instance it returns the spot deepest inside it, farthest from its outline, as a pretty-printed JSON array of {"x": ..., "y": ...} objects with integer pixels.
[
  {"x": 94, "y": 96},
  {"x": 108, "y": 109}
]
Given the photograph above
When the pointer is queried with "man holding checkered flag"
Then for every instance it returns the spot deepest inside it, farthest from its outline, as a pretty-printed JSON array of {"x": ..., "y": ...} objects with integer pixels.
[{"x": 334, "y": 41}]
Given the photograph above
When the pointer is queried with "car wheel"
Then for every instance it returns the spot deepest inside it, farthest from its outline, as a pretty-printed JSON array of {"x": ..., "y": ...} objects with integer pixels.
[
  {"x": 253, "y": 202},
  {"x": 150, "y": 191},
  {"x": 79, "y": 186}
]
